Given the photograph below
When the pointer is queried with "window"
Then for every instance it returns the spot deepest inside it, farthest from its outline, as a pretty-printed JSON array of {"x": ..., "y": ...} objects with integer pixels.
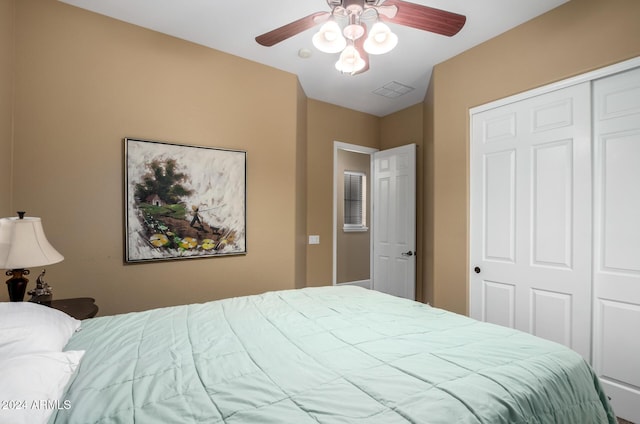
[{"x": 355, "y": 201}]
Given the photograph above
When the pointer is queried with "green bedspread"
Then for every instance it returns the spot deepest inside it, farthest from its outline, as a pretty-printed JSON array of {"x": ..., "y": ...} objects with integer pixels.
[{"x": 323, "y": 355}]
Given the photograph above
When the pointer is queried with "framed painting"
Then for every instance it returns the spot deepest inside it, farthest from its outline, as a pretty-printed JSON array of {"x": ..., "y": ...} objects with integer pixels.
[{"x": 183, "y": 201}]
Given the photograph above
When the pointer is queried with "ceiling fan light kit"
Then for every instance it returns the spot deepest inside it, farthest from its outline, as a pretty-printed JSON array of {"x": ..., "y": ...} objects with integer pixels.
[
  {"x": 351, "y": 42},
  {"x": 353, "y": 57}
]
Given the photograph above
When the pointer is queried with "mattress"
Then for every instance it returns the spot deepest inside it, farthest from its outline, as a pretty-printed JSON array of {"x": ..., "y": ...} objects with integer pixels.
[{"x": 323, "y": 355}]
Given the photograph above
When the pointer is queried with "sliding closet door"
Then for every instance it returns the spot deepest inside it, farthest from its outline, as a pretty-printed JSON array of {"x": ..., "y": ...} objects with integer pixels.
[
  {"x": 617, "y": 239},
  {"x": 530, "y": 218}
]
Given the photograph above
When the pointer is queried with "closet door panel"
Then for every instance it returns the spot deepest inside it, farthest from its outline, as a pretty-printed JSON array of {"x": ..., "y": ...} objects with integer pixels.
[
  {"x": 552, "y": 212},
  {"x": 619, "y": 351},
  {"x": 616, "y": 226},
  {"x": 620, "y": 222},
  {"x": 499, "y": 203},
  {"x": 530, "y": 241},
  {"x": 499, "y": 303},
  {"x": 558, "y": 305}
]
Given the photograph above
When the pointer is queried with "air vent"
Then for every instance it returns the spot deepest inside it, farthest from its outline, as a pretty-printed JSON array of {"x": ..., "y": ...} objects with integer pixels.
[{"x": 393, "y": 90}]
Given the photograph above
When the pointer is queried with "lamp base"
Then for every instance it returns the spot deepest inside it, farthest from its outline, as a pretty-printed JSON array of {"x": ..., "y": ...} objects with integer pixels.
[
  {"x": 17, "y": 284},
  {"x": 42, "y": 293}
]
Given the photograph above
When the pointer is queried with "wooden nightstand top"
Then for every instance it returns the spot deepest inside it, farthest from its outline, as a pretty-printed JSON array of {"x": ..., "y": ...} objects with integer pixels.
[{"x": 77, "y": 307}]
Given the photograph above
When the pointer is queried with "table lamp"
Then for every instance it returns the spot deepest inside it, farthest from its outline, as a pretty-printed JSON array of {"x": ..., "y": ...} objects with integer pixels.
[{"x": 23, "y": 245}]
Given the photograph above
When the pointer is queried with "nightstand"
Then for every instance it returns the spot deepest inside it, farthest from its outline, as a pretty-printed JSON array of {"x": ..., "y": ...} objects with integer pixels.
[{"x": 77, "y": 307}]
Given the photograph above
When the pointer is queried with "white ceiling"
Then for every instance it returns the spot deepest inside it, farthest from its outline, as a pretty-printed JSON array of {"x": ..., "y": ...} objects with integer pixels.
[{"x": 232, "y": 26}]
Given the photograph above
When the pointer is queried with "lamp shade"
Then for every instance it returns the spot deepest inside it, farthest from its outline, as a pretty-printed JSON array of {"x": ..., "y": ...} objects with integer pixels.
[
  {"x": 380, "y": 40},
  {"x": 329, "y": 38},
  {"x": 353, "y": 31},
  {"x": 24, "y": 245},
  {"x": 350, "y": 61}
]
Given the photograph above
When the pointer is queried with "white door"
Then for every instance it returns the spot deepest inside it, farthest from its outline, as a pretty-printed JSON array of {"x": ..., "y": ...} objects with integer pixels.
[
  {"x": 394, "y": 221},
  {"x": 530, "y": 236},
  {"x": 616, "y": 263}
]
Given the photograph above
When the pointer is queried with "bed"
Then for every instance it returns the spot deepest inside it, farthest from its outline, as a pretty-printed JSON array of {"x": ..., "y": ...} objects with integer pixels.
[{"x": 320, "y": 355}]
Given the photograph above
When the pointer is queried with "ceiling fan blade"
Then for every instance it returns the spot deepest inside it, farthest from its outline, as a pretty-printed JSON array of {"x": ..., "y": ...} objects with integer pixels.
[
  {"x": 277, "y": 35},
  {"x": 426, "y": 18}
]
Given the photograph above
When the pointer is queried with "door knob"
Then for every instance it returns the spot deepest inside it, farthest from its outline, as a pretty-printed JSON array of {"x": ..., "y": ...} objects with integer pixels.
[
  {"x": 477, "y": 270},
  {"x": 409, "y": 253}
]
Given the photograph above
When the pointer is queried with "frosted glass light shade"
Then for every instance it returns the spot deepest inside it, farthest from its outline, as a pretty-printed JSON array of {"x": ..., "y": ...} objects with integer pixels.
[
  {"x": 329, "y": 38},
  {"x": 353, "y": 31},
  {"x": 350, "y": 61},
  {"x": 23, "y": 244},
  {"x": 380, "y": 40}
]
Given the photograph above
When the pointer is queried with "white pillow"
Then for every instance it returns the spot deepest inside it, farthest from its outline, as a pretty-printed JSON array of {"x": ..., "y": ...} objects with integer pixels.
[
  {"x": 27, "y": 327},
  {"x": 32, "y": 385}
]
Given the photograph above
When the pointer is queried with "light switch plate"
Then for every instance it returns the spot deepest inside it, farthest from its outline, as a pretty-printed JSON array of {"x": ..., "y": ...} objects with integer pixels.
[{"x": 314, "y": 239}]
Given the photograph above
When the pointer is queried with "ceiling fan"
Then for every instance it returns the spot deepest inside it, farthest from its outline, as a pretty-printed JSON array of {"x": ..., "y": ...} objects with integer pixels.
[{"x": 344, "y": 30}]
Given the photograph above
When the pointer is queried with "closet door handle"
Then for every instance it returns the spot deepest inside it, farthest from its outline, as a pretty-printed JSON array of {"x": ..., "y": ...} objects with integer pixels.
[
  {"x": 409, "y": 253},
  {"x": 477, "y": 270}
]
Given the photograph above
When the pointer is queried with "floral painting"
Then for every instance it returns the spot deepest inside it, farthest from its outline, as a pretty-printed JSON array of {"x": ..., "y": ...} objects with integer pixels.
[{"x": 183, "y": 201}]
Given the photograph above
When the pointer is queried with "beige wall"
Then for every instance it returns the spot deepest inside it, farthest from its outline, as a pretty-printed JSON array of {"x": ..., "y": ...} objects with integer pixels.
[
  {"x": 353, "y": 248},
  {"x": 6, "y": 102},
  {"x": 577, "y": 37},
  {"x": 326, "y": 124},
  {"x": 82, "y": 83}
]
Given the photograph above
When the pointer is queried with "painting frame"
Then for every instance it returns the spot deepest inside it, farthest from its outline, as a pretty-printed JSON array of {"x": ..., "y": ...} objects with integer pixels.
[{"x": 183, "y": 201}]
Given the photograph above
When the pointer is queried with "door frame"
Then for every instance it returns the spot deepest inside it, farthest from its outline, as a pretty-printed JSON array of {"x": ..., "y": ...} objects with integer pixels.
[{"x": 338, "y": 145}]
